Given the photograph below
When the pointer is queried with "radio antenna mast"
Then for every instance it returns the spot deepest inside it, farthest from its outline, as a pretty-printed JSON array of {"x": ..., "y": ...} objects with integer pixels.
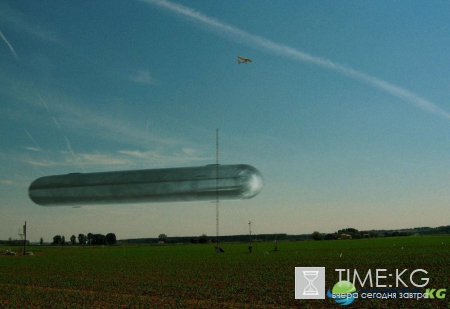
[{"x": 217, "y": 190}]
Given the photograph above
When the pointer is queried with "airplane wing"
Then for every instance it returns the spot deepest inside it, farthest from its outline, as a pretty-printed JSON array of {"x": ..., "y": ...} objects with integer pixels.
[{"x": 241, "y": 59}]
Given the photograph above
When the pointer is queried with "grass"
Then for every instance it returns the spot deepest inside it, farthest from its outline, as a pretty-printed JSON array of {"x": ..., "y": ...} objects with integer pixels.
[{"x": 179, "y": 276}]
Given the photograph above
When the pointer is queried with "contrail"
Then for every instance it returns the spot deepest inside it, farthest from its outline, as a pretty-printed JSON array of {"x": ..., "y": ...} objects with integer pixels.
[
  {"x": 69, "y": 146},
  {"x": 57, "y": 124},
  {"x": 43, "y": 102},
  {"x": 10, "y": 46},
  {"x": 247, "y": 38},
  {"x": 34, "y": 141},
  {"x": 38, "y": 148}
]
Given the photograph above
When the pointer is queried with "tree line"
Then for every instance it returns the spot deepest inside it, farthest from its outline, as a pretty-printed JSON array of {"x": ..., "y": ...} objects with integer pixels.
[
  {"x": 355, "y": 234},
  {"x": 202, "y": 239},
  {"x": 89, "y": 239}
]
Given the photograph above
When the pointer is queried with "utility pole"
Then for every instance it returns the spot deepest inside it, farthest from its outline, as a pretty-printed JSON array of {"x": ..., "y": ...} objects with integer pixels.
[
  {"x": 25, "y": 238},
  {"x": 250, "y": 247}
]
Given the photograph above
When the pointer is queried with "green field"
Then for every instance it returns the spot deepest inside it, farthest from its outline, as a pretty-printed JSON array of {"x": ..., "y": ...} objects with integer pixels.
[{"x": 177, "y": 276}]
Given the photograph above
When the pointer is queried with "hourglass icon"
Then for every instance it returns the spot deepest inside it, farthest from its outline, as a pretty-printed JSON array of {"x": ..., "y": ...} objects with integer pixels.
[{"x": 310, "y": 275}]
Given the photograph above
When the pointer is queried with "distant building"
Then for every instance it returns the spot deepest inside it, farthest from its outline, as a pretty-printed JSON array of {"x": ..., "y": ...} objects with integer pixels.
[{"x": 346, "y": 236}]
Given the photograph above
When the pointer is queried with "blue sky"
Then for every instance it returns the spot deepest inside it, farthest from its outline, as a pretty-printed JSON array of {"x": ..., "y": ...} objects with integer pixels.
[{"x": 344, "y": 110}]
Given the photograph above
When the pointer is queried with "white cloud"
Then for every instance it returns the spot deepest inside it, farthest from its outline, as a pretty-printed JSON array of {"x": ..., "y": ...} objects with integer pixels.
[
  {"x": 189, "y": 151},
  {"x": 142, "y": 77},
  {"x": 61, "y": 112},
  {"x": 122, "y": 159},
  {"x": 66, "y": 160},
  {"x": 160, "y": 158},
  {"x": 76, "y": 116},
  {"x": 31, "y": 148},
  {"x": 137, "y": 153},
  {"x": 103, "y": 159}
]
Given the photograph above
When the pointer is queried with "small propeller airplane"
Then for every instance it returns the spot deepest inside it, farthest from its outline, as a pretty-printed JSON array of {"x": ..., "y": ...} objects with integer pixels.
[{"x": 243, "y": 60}]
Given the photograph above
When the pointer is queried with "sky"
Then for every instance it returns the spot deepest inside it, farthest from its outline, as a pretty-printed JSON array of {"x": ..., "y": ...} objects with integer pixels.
[{"x": 344, "y": 110}]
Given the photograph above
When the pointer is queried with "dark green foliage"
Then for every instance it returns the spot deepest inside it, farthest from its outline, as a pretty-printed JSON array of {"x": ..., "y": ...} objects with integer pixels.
[
  {"x": 111, "y": 239},
  {"x": 82, "y": 239},
  {"x": 317, "y": 236},
  {"x": 57, "y": 240},
  {"x": 203, "y": 239}
]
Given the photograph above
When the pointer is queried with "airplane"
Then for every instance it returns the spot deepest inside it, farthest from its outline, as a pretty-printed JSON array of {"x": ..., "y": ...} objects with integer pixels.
[{"x": 243, "y": 60}]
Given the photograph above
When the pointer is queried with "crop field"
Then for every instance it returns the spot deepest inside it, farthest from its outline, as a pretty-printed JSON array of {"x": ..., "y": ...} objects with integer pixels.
[{"x": 194, "y": 276}]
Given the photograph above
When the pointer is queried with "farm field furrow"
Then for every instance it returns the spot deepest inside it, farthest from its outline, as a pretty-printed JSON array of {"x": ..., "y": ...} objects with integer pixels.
[{"x": 179, "y": 276}]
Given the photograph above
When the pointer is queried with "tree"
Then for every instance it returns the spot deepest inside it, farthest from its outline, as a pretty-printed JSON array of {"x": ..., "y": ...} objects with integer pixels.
[
  {"x": 162, "y": 237},
  {"x": 90, "y": 238},
  {"x": 73, "y": 239},
  {"x": 350, "y": 231},
  {"x": 81, "y": 239},
  {"x": 111, "y": 238},
  {"x": 56, "y": 240},
  {"x": 317, "y": 236},
  {"x": 41, "y": 241},
  {"x": 395, "y": 233},
  {"x": 63, "y": 240},
  {"x": 98, "y": 239},
  {"x": 203, "y": 239}
]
